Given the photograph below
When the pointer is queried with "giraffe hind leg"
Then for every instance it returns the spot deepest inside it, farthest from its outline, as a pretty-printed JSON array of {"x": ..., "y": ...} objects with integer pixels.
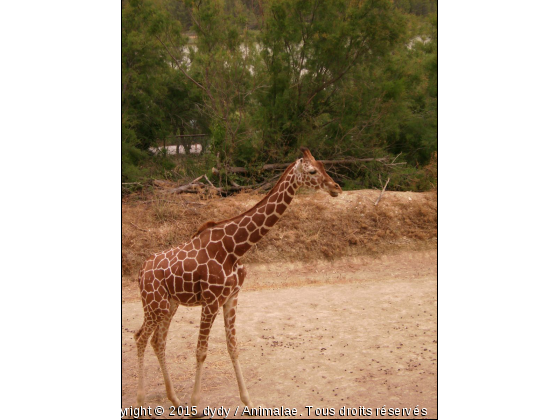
[
  {"x": 207, "y": 318},
  {"x": 230, "y": 310},
  {"x": 141, "y": 337},
  {"x": 158, "y": 343}
]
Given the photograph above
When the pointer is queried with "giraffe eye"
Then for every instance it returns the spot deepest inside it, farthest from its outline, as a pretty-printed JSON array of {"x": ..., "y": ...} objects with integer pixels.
[{"x": 313, "y": 171}]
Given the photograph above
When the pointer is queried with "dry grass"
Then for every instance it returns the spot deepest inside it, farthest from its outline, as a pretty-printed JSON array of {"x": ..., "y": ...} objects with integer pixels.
[{"x": 315, "y": 226}]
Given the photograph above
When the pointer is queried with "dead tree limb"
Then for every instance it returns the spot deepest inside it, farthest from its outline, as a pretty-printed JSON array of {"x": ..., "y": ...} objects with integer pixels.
[
  {"x": 209, "y": 182},
  {"x": 195, "y": 186},
  {"x": 273, "y": 166},
  {"x": 396, "y": 157},
  {"x": 185, "y": 188},
  {"x": 162, "y": 183}
]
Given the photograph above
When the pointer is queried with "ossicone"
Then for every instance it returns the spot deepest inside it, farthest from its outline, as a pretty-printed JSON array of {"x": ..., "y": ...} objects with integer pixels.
[{"x": 306, "y": 152}]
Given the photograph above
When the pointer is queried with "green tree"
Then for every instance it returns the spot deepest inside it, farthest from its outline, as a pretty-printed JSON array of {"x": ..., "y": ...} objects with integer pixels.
[
  {"x": 310, "y": 49},
  {"x": 224, "y": 65},
  {"x": 154, "y": 99},
  {"x": 411, "y": 124},
  {"x": 347, "y": 78}
]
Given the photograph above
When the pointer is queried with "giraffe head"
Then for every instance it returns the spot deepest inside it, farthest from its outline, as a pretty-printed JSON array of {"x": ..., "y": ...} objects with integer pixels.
[{"x": 312, "y": 174}]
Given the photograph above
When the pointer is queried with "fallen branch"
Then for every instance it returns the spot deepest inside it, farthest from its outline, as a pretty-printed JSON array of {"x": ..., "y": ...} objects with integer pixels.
[
  {"x": 195, "y": 186},
  {"x": 184, "y": 188},
  {"x": 268, "y": 184},
  {"x": 210, "y": 182},
  {"x": 379, "y": 198},
  {"x": 396, "y": 157},
  {"x": 195, "y": 203},
  {"x": 162, "y": 183}
]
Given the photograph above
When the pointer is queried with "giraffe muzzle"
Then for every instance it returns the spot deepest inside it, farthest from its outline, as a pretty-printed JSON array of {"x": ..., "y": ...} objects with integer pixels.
[{"x": 334, "y": 189}]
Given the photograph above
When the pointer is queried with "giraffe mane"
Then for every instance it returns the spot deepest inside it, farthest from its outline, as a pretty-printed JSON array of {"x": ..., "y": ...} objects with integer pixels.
[
  {"x": 205, "y": 226},
  {"x": 211, "y": 223}
]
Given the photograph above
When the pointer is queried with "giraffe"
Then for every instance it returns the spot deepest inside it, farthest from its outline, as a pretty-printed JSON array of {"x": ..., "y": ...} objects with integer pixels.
[{"x": 206, "y": 272}]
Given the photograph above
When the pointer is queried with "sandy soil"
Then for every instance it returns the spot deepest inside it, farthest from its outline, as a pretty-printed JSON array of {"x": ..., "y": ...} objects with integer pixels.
[{"x": 354, "y": 333}]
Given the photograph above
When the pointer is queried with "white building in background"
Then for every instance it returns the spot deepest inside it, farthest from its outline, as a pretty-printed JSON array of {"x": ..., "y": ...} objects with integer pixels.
[{"x": 195, "y": 149}]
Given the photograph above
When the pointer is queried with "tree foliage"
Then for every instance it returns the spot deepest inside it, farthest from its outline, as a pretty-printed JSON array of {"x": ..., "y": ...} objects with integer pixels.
[
  {"x": 155, "y": 100},
  {"x": 346, "y": 78}
]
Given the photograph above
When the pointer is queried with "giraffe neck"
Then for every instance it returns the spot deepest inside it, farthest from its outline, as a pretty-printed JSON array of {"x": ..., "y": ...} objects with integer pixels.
[{"x": 251, "y": 226}]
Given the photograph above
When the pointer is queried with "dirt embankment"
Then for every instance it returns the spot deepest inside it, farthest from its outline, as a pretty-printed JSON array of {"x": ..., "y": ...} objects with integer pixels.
[{"x": 315, "y": 226}]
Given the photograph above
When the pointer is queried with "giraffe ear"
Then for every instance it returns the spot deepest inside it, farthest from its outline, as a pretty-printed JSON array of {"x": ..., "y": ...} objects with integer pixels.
[{"x": 298, "y": 166}]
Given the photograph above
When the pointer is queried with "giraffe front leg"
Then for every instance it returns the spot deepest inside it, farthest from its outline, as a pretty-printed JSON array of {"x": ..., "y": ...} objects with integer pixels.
[
  {"x": 230, "y": 309},
  {"x": 207, "y": 319}
]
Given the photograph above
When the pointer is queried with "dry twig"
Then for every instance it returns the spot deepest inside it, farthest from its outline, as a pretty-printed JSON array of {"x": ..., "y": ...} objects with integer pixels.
[
  {"x": 383, "y": 190},
  {"x": 139, "y": 228}
]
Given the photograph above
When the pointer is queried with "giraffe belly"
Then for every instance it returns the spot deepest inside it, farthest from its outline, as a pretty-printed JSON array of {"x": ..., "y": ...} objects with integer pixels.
[
  {"x": 185, "y": 289},
  {"x": 201, "y": 279}
]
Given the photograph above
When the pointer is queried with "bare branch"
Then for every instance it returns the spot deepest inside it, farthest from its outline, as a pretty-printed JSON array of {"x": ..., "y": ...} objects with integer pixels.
[
  {"x": 273, "y": 166},
  {"x": 183, "y": 70},
  {"x": 191, "y": 185},
  {"x": 382, "y": 191},
  {"x": 205, "y": 177}
]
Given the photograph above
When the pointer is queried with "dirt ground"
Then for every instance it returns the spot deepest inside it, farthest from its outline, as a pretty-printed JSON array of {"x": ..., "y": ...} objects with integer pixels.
[{"x": 356, "y": 332}]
